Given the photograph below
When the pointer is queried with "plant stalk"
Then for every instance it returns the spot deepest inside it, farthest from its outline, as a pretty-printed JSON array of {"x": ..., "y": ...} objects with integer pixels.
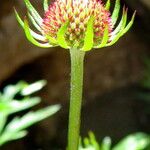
[{"x": 77, "y": 63}]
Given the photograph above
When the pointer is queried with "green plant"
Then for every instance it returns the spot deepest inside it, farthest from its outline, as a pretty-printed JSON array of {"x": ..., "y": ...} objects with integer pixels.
[
  {"x": 137, "y": 141},
  {"x": 9, "y": 104},
  {"x": 77, "y": 25}
]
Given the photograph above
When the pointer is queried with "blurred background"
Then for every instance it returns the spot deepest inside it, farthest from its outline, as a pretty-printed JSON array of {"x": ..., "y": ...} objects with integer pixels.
[{"x": 116, "y": 84}]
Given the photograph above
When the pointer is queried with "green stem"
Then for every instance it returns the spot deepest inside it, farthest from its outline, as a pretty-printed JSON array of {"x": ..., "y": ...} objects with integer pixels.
[{"x": 77, "y": 62}]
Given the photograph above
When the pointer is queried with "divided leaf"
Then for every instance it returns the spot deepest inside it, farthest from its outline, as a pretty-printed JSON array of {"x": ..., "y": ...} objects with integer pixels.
[{"x": 16, "y": 128}]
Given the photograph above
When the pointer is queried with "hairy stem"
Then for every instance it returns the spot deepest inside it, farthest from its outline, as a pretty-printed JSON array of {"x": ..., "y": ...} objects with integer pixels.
[{"x": 77, "y": 62}]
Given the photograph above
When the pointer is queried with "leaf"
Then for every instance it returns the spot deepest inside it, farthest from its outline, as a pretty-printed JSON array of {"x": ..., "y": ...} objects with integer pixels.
[
  {"x": 9, "y": 92},
  {"x": 61, "y": 36},
  {"x": 89, "y": 143},
  {"x": 93, "y": 141},
  {"x": 138, "y": 141},
  {"x": 106, "y": 144},
  {"x": 3, "y": 119},
  {"x": 14, "y": 106},
  {"x": 115, "y": 13},
  {"x": 16, "y": 128},
  {"x": 33, "y": 12},
  {"x": 18, "y": 135},
  {"x": 32, "y": 88},
  {"x": 12, "y": 136},
  {"x": 31, "y": 118},
  {"x": 4, "y": 107},
  {"x": 45, "y": 5},
  {"x": 31, "y": 39},
  {"x": 86, "y": 142},
  {"x": 107, "y": 6},
  {"x": 22, "y": 88},
  {"x": 89, "y": 35}
]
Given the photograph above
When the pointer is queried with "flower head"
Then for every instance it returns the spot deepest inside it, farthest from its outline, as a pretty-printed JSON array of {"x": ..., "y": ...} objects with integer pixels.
[{"x": 83, "y": 24}]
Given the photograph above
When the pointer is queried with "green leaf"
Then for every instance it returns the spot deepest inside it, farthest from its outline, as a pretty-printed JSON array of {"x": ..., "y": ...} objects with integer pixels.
[
  {"x": 31, "y": 118},
  {"x": 4, "y": 107},
  {"x": 3, "y": 119},
  {"x": 61, "y": 36},
  {"x": 129, "y": 24},
  {"x": 93, "y": 141},
  {"x": 18, "y": 135},
  {"x": 31, "y": 39},
  {"x": 12, "y": 136},
  {"x": 138, "y": 141},
  {"x": 104, "y": 39},
  {"x": 14, "y": 106},
  {"x": 115, "y": 13},
  {"x": 89, "y": 143},
  {"x": 86, "y": 142},
  {"x": 33, "y": 12},
  {"x": 10, "y": 91},
  {"x": 45, "y": 5},
  {"x": 106, "y": 144},
  {"x": 89, "y": 35},
  {"x": 107, "y": 6},
  {"x": 22, "y": 88},
  {"x": 16, "y": 128},
  {"x": 32, "y": 88}
]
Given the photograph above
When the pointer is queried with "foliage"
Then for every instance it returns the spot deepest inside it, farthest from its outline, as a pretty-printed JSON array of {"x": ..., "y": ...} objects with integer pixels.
[
  {"x": 16, "y": 98},
  {"x": 137, "y": 141}
]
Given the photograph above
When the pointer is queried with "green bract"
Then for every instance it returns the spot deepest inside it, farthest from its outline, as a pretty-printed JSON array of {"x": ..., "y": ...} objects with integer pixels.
[{"x": 87, "y": 40}]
